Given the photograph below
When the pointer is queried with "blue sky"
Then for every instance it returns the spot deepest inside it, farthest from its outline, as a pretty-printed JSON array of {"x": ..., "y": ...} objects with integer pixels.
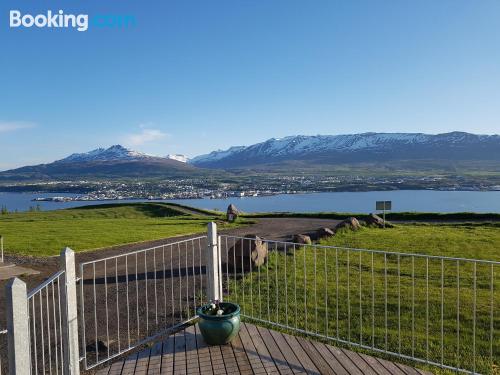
[{"x": 194, "y": 76}]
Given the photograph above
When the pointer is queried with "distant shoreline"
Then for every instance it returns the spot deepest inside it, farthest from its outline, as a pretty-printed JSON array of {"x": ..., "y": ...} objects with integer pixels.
[
  {"x": 261, "y": 194},
  {"x": 345, "y": 202}
]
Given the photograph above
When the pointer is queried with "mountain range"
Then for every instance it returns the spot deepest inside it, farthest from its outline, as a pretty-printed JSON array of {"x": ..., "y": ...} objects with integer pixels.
[
  {"x": 114, "y": 162},
  {"x": 356, "y": 148},
  {"x": 413, "y": 151}
]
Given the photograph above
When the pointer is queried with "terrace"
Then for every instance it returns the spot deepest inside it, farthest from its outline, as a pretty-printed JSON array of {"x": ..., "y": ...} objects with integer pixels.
[
  {"x": 307, "y": 309},
  {"x": 256, "y": 350}
]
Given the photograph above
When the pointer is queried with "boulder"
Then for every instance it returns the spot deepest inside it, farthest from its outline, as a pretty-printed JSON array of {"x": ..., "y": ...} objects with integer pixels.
[
  {"x": 324, "y": 233},
  {"x": 374, "y": 220},
  {"x": 101, "y": 347},
  {"x": 350, "y": 223},
  {"x": 232, "y": 213},
  {"x": 302, "y": 239},
  {"x": 248, "y": 252}
]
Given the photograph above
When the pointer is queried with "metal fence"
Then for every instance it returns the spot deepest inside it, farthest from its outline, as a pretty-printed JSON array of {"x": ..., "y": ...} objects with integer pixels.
[
  {"x": 42, "y": 324},
  {"x": 436, "y": 310},
  {"x": 45, "y": 326},
  {"x": 130, "y": 299},
  {"x": 124, "y": 302}
]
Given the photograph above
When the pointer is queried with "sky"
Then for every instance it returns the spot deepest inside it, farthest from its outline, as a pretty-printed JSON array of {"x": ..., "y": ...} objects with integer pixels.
[{"x": 190, "y": 77}]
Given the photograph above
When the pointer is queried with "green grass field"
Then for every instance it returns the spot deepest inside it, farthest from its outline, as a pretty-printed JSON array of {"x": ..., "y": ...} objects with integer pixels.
[
  {"x": 93, "y": 227},
  {"x": 346, "y": 297},
  {"x": 476, "y": 241},
  {"x": 397, "y": 216}
]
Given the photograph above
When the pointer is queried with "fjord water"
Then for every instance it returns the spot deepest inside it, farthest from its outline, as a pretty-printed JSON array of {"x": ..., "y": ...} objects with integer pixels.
[{"x": 355, "y": 202}]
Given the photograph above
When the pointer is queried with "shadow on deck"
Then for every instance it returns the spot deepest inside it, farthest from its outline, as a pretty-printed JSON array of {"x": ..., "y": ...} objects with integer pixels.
[{"x": 256, "y": 350}]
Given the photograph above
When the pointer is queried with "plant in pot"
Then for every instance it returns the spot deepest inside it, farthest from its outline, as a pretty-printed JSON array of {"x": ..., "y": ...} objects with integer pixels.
[{"x": 219, "y": 322}]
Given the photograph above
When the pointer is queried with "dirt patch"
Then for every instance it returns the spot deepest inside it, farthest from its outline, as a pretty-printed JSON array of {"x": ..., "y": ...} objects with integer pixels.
[{"x": 8, "y": 271}]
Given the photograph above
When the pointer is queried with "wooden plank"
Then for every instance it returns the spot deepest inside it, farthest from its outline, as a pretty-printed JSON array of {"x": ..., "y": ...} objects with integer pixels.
[
  {"x": 241, "y": 356},
  {"x": 315, "y": 356},
  {"x": 376, "y": 365},
  {"x": 302, "y": 356},
  {"x": 141, "y": 367},
  {"x": 155, "y": 359},
  {"x": 391, "y": 367},
  {"x": 274, "y": 351},
  {"x": 411, "y": 370},
  {"x": 167, "y": 359},
  {"x": 332, "y": 360},
  {"x": 344, "y": 360},
  {"x": 116, "y": 368},
  {"x": 217, "y": 361},
  {"x": 204, "y": 359},
  {"x": 406, "y": 369},
  {"x": 253, "y": 357},
  {"x": 288, "y": 353},
  {"x": 180, "y": 353},
  {"x": 193, "y": 366},
  {"x": 103, "y": 371},
  {"x": 229, "y": 358},
  {"x": 261, "y": 349},
  {"x": 359, "y": 361},
  {"x": 129, "y": 365}
]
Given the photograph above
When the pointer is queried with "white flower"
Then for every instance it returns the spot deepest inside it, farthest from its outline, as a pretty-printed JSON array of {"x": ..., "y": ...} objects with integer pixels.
[
  {"x": 212, "y": 305},
  {"x": 220, "y": 312}
]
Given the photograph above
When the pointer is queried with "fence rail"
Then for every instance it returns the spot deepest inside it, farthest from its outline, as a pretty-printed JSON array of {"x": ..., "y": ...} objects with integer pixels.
[
  {"x": 41, "y": 324},
  {"x": 1, "y": 249},
  {"x": 45, "y": 326},
  {"x": 431, "y": 309},
  {"x": 129, "y": 299}
]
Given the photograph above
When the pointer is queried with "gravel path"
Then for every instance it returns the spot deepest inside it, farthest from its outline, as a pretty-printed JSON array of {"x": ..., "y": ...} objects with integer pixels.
[{"x": 269, "y": 228}]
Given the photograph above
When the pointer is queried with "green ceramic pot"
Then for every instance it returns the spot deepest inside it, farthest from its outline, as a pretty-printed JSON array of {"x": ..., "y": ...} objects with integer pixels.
[{"x": 219, "y": 329}]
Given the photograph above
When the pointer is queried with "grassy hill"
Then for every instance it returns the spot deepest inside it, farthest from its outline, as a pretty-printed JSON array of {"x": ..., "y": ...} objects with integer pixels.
[{"x": 93, "y": 227}]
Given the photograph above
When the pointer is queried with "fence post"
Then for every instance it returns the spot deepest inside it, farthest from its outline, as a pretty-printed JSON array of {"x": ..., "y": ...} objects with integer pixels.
[
  {"x": 71, "y": 352},
  {"x": 214, "y": 285},
  {"x": 18, "y": 327},
  {"x": 1, "y": 248}
]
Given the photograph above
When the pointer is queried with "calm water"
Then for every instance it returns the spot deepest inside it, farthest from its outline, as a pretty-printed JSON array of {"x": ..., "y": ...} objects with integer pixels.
[{"x": 356, "y": 202}]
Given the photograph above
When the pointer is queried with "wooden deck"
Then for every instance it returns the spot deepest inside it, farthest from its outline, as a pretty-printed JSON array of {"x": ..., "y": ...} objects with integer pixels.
[{"x": 256, "y": 350}]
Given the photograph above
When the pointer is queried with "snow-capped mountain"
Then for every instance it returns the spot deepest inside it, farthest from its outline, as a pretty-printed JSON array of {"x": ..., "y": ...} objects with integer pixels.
[
  {"x": 117, "y": 153},
  {"x": 113, "y": 153},
  {"x": 331, "y": 149},
  {"x": 113, "y": 162},
  {"x": 178, "y": 157},
  {"x": 217, "y": 155}
]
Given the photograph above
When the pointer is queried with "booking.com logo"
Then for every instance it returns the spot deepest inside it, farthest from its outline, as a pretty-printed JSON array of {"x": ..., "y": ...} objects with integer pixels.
[{"x": 80, "y": 22}]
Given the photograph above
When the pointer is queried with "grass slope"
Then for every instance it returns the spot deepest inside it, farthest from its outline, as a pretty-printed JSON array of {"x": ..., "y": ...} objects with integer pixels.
[
  {"x": 397, "y": 216},
  {"x": 475, "y": 241},
  {"x": 93, "y": 227},
  {"x": 366, "y": 300}
]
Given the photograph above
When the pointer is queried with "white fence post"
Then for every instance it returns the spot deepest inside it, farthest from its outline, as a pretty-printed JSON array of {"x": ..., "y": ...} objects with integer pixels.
[
  {"x": 71, "y": 363},
  {"x": 18, "y": 327},
  {"x": 1, "y": 248},
  {"x": 214, "y": 285}
]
